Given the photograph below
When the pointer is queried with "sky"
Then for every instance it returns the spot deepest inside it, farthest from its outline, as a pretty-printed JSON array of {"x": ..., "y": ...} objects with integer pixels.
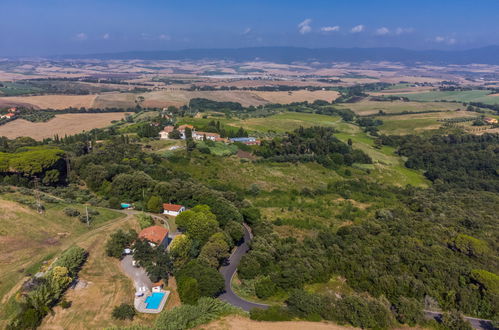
[{"x": 65, "y": 27}]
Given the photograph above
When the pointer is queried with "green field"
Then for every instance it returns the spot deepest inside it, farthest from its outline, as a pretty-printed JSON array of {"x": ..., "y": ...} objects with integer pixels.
[
  {"x": 453, "y": 96},
  {"x": 281, "y": 122},
  {"x": 368, "y": 107}
]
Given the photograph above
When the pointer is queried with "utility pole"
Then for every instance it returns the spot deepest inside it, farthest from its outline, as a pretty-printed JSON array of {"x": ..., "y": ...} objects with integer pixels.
[
  {"x": 39, "y": 206},
  {"x": 88, "y": 220}
]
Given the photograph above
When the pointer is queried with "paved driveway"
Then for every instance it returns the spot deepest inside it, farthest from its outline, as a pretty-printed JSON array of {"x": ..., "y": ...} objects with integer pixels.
[
  {"x": 228, "y": 272},
  {"x": 137, "y": 274}
]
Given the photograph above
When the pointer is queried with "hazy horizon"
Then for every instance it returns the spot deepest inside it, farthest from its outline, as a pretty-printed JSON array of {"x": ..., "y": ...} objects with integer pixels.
[{"x": 56, "y": 27}]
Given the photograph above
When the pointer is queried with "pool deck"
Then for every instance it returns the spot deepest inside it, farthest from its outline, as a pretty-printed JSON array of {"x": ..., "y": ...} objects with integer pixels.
[
  {"x": 141, "y": 280},
  {"x": 140, "y": 303}
]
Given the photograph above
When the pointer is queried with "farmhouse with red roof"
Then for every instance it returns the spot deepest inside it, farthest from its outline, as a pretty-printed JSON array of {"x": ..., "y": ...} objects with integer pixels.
[
  {"x": 173, "y": 209},
  {"x": 155, "y": 235}
]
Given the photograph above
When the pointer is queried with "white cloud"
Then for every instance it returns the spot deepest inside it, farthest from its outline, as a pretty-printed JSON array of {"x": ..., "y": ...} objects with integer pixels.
[
  {"x": 164, "y": 37},
  {"x": 304, "y": 27},
  {"x": 106, "y": 36},
  {"x": 382, "y": 31},
  {"x": 247, "y": 31},
  {"x": 445, "y": 40},
  {"x": 358, "y": 28},
  {"x": 401, "y": 30},
  {"x": 330, "y": 28},
  {"x": 81, "y": 36}
]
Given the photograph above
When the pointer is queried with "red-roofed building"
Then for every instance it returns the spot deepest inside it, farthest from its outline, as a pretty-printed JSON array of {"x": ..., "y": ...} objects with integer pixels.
[
  {"x": 155, "y": 235},
  {"x": 173, "y": 209},
  {"x": 164, "y": 134},
  {"x": 9, "y": 115}
]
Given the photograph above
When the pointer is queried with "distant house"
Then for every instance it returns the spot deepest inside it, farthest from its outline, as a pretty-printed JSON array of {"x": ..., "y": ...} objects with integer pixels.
[
  {"x": 490, "y": 121},
  {"x": 13, "y": 109},
  {"x": 9, "y": 115},
  {"x": 155, "y": 235},
  {"x": 158, "y": 286},
  {"x": 201, "y": 136},
  {"x": 173, "y": 209},
  {"x": 182, "y": 129},
  {"x": 246, "y": 140},
  {"x": 164, "y": 134}
]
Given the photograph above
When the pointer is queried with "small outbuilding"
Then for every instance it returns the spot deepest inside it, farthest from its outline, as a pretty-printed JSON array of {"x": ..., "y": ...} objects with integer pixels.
[{"x": 173, "y": 209}]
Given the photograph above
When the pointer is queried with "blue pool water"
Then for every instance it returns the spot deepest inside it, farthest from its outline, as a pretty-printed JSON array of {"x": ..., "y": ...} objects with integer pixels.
[{"x": 154, "y": 300}]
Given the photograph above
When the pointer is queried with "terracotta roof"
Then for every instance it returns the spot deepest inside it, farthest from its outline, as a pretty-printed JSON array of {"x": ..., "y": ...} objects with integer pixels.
[
  {"x": 160, "y": 283},
  {"x": 168, "y": 129},
  {"x": 154, "y": 234},
  {"x": 172, "y": 207},
  {"x": 183, "y": 127}
]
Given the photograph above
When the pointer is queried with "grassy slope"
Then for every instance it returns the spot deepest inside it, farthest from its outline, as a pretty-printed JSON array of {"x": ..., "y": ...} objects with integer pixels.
[{"x": 28, "y": 238}]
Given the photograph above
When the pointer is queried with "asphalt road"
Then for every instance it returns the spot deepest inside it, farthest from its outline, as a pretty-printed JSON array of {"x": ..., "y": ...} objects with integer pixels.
[
  {"x": 228, "y": 272},
  {"x": 480, "y": 324},
  {"x": 229, "y": 296}
]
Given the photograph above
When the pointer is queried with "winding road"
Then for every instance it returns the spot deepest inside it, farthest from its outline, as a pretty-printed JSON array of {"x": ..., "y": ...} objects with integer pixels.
[
  {"x": 229, "y": 296},
  {"x": 229, "y": 270}
]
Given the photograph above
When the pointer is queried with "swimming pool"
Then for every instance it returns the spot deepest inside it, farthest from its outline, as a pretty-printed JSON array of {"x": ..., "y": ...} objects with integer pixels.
[{"x": 154, "y": 300}]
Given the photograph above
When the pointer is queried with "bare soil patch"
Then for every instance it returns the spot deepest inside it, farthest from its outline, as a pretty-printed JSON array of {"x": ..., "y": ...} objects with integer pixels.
[
  {"x": 241, "y": 323},
  {"x": 61, "y": 125},
  {"x": 298, "y": 96}
]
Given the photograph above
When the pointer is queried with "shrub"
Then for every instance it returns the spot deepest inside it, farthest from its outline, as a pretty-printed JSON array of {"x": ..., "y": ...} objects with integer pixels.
[
  {"x": 71, "y": 212},
  {"x": 455, "y": 321},
  {"x": 211, "y": 282},
  {"x": 188, "y": 289},
  {"x": 118, "y": 241},
  {"x": 190, "y": 316},
  {"x": 65, "y": 304},
  {"x": 93, "y": 212},
  {"x": 124, "y": 312},
  {"x": 265, "y": 288},
  {"x": 409, "y": 311},
  {"x": 145, "y": 220},
  {"x": 72, "y": 259},
  {"x": 274, "y": 313}
]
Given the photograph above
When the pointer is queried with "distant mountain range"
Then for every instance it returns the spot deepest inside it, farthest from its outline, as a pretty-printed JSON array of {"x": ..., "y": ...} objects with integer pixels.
[{"x": 485, "y": 55}]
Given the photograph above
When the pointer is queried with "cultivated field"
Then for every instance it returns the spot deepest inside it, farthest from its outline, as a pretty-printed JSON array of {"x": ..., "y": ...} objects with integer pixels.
[
  {"x": 456, "y": 96},
  {"x": 164, "y": 98},
  {"x": 61, "y": 125},
  {"x": 414, "y": 123},
  {"x": 298, "y": 96},
  {"x": 286, "y": 122},
  {"x": 368, "y": 107},
  {"x": 51, "y": 101}
]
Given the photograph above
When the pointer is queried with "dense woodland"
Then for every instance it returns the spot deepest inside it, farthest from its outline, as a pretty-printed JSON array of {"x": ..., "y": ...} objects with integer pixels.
[
  {"x": 416, "y": 248},
  {"x": 312, "y": 144}
]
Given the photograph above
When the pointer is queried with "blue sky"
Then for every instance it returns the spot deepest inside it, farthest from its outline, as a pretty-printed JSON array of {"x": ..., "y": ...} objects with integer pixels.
[{"x": 49, "y": 27}]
